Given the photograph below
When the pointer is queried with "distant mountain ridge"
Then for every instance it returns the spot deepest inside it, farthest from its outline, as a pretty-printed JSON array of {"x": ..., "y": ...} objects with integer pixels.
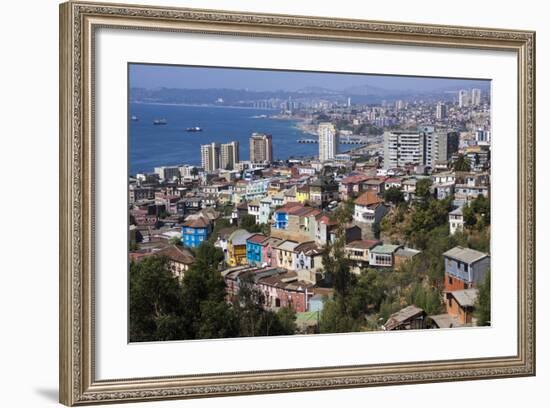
[{"x": 363, "y": 94}]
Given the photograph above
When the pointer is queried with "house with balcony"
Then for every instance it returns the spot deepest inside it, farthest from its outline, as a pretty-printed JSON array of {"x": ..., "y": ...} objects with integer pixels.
[
  {"x": 383, "y": 255},
  {"x": 358, "y": 253},
  {"x": 456, "y": 221},
  {"x": 254, "y": 209},
  {"x": 284, "y": 252},
  {"x": 265, "y": 210},
  {"x": 465, "y": 268}
]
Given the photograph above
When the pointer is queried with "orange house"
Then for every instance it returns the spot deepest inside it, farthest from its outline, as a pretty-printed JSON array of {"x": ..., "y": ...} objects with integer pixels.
[{"x": 461, "y": 303}]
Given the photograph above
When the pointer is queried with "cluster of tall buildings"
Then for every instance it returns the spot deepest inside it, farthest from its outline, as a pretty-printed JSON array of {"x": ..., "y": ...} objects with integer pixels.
[
  {"x": 225, "y": 156},
  {"x": 216, "y": 156},
  {"x": 470, "y": 97},
  {"x": 425, "y": 146}
]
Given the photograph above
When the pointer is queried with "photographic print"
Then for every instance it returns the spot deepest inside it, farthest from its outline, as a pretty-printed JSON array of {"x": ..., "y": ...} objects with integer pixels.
[{"x": 267, "y": 202}]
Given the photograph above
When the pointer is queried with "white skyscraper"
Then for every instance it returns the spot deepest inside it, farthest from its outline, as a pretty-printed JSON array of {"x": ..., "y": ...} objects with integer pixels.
[
  {"x": 229, "y": 155},
  {"x": 403, "y": 147},
  {"x": 210, "y": 157},
  {"x": 425, "y": 146},
  {"x": 441, "y": 111},
  {"x": 328, "y": 141},
  {"x": 463, "y": 98},
  {"x": 261, "y": 148},
  {"x": 476, "y": 97}
]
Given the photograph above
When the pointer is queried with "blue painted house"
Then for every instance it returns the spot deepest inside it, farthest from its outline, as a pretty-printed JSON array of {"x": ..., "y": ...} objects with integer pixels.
[
  {"x": 281, "y": 215},
  {"x": 195, "y": 231},
  {"x": 465, "y": 268},
  {"x": 254, "y": 249}
]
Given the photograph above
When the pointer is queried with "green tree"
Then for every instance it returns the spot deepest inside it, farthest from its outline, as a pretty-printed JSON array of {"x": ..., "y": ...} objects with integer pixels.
[
  {"x": 481, "y": 206},
  {"x": 469, "y": 216},
  {"x": 220, "y": 224},
  {"x": 175, "y": 241},
  {"x": 462, "y": 163},
  {"x": 254, "y": 319},
  {"x": 426, "y": 298},
  {"x": 155, "y": 302},
  {"x": 422, "y": 191},
  {"x": 205, "y": 310},
  {"x": 394, "y": 195},
  {"x": 248, "y": 222},
  {"x": 287, "y": 320},
  {"x": 483, "y": 303}
]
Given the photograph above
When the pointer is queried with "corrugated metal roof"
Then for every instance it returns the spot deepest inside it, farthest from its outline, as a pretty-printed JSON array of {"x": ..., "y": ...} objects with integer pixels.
[{"x": 465, "y": 254}]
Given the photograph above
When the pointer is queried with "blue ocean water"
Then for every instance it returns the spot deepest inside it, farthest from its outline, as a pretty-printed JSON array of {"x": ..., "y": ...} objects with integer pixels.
[{"x": 163, "y": 145}]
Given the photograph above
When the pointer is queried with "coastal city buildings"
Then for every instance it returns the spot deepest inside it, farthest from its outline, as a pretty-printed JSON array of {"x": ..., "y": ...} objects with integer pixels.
[
  {"x": 402, "y": 148},
  {"x": 392, "y": 189},
  {"x": 261, "y": 148},
  {"x": 476, "y": 97},
  {"x": 441, "y": 111},
  {"x": 210, "y": 157},
  {"x": 463, "y": 98},
  {"x": 215, "y": 156},
  {"x": 424, "y": 146},
  {"x": 229, "y": 155},
  {"x": 328, "y": 141}
]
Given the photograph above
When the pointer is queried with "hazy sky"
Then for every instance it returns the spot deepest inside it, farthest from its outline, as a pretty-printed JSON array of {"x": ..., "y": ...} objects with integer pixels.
[{"x": 168, "y": 76}]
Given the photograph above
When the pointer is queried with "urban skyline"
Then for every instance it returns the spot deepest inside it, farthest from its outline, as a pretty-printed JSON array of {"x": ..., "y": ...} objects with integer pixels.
[{"x": 382, "y": 224}]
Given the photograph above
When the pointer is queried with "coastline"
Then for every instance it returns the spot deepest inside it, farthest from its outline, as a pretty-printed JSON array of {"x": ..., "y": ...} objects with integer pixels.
[{"x": 196, "y": 105}]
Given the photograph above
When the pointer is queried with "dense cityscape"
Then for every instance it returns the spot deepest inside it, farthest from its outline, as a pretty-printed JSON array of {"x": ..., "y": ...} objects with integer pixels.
[{"x": 386, "y": 227}]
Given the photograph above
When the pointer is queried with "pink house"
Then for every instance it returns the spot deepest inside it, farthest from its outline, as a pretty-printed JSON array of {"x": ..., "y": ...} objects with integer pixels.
[{"x": 268, "y": 254}]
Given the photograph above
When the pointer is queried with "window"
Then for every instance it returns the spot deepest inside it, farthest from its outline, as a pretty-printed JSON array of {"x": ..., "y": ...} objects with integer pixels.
[
  {"x": 277, "y": 302},
  {"x": 450, "y": 280}
]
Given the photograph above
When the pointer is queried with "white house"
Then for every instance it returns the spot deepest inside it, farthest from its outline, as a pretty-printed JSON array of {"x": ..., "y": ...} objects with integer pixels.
[
  {"x": 254, "y": 209},
  {"x": 369, "y": 208},
  {"x": 265, "y": 210},
  {"x": 456, "y": 221}
]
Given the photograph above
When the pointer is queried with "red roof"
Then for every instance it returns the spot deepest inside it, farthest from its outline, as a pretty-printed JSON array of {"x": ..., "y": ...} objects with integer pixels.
[
  {"x": 257, "y": 238},
  {"x": 357, "y": 178},
  {"x": 177, "y": 254},
  {"x": 288, "y": 206},
  {"x": 363, "y": 243},
  {"x": 197, "y": 223},
  {"x": 368, "y": 198}
]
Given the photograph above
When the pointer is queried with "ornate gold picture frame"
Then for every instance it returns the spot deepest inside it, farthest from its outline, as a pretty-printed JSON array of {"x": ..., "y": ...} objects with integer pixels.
[{"x": 78, "y": 24}]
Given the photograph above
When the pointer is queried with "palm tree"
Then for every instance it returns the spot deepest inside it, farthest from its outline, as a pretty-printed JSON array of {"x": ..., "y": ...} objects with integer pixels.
[{"x": 462, "y": 163}]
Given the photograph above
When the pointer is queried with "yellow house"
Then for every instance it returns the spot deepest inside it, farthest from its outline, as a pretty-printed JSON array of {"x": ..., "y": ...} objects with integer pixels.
[
  {"x": 236, "y": 247},
  {"x": 302, "y": 194}
]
